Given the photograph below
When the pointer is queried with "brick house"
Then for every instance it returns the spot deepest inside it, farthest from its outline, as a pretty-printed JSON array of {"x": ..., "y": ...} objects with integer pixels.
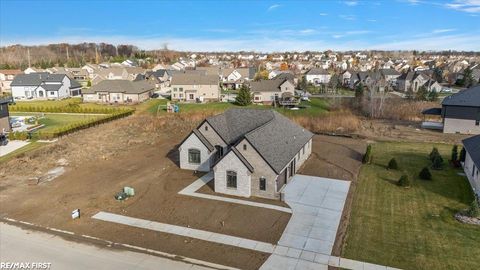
[{"x": 251, "y": 152}]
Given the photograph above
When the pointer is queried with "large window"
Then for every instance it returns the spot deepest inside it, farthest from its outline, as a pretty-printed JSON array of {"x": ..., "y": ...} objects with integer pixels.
[
  {"x": 194, "y": 156},
  {"x": 231, "y": 179},
  {"x": 263, "y": 183}
]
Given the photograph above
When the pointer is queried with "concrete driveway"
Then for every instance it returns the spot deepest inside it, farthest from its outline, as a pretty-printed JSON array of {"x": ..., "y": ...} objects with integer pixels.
[
  {"x": 11, "y": 146},
  {"x": 317, "y": 205}
]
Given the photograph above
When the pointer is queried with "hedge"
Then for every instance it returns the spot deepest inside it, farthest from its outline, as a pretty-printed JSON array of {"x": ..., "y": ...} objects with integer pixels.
[
  {"x": 71, "y": 108},
  {"x": 67, "y": 129}
]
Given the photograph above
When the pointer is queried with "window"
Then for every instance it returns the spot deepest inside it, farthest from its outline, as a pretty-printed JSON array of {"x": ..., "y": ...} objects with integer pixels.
[
  {"x": 303, "y": 150},
  {"x": 52, "y": 93},
  {"x": 231, "y": 179},
  {"x": 180, "y": 89},
  {"x": 298, "y": 156},
  {"x": 263, "y": 183},
  {"x": 194, "y": 156},
  {"x": 244, "y": 147},
  {"x": 206, "y": 128},
  {"x": 477, "y": 122},
  {"x": 175, "y": 89}
]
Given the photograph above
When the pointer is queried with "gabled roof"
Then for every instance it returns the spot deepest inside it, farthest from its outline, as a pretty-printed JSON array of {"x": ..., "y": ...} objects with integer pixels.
[
  {"x": 317, "y": 71},
  {"x": 276, "y": 138},
  {"x": 242, "y": 159},
  {"x": 389, "y": 72},
  {"x": 472, "y": 145},
  {"x": 194, "y": 79},
  {"x": 120, "y": 86},
  {"x": 469, "y": 97},
  {"x": 203, "y": 139},
  {"x": 267, "y": 85}
]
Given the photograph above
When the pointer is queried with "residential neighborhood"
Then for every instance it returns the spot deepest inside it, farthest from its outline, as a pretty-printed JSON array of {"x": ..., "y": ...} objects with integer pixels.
[{"x": 240, "y": 135}]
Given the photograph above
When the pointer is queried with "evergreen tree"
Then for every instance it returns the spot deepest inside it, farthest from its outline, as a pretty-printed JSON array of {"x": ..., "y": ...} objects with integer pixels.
[
  {"x": 425, "y": 174},
  {"x": 392, "y": 164},
  {"x": 463, "y": 154},
  {"x": 454, "y": 153},
  {"x": 244, "y": 97},
  {"x": 433, "y": 154},
  {"x": 404, "y": 181},
  {"x": 437, "y": 163},
  {"x": 367, "y": 158}
]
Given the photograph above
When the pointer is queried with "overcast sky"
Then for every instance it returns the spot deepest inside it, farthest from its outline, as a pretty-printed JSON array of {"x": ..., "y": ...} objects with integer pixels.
[{"x": 247, "y": 25}]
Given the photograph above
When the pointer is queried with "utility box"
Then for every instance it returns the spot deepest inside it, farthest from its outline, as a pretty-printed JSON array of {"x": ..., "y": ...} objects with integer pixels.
[{"x": 129, "y": 191}]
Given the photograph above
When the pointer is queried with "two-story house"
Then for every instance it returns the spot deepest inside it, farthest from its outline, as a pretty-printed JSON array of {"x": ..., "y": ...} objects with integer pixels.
[{"x": 195, "y": 87}]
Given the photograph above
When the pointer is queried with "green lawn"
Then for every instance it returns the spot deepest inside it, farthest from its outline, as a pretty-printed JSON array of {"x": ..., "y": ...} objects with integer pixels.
[
  {"x": 63, "y": 103},
  {"x": 314, "y": 107},
  {"x": 54, "y": 121},
  {"x": 411, "y": 228}
]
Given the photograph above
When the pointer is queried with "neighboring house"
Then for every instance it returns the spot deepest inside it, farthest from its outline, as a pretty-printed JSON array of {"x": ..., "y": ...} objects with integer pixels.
[
  {"x": 368, "y": 78},
  {"x": 269, "y": 91},
  {"x": 91, "y": 69},
  {"x": 412, "y": 80},
  {"x": 390, "y": 75},
  {"x": 234, "y": 77},
  {"x": 317, "y": 76},
  {"x": 471, "y": 165},
  {"x": 44, "y": 86},
  {"x": 159, "y": 77},
  {"x": 4, "y": 115},
  {"x": 6, "y": 78},
  {"x": 252, "y": 152},
  {"x": 195, "y": 88},
  {"x": 461, "y": 112},
  {"x": 33, "y": 70},
  {"x": 346, "y": 77},
  {"x": 118, "y": 91}
]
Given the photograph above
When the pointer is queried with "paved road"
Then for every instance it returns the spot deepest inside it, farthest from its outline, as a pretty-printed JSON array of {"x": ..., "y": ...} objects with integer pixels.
[{"x": 18, "y": 245}]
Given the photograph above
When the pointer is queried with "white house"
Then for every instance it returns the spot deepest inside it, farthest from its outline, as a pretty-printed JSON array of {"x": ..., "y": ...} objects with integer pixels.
[
  {"x": 44, "y": 86},
  {"x": 317, "y": 76}
]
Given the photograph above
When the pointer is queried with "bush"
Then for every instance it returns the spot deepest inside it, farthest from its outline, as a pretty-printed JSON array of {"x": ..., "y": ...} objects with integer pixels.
[
  {"x": 463, "y": 154},
  {"x": 433, "y": 154},
  {"x": 474, "y": 210},
  {"x": 367, "y": 158},
  {"x": 404, "y": 181},
  {"x": 392, "y": 164},
  {"x": 454, "y": 156},
  {"x": 425, "y": 174},
  {"x": 437, "y": 163}
]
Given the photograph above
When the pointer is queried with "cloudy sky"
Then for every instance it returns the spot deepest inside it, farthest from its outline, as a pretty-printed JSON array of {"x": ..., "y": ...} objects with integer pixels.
[{"x": 247, "y": 25}]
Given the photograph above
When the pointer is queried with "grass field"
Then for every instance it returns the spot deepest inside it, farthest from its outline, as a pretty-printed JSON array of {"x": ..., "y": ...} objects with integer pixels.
[
  {"x": 411, "y": 228},
  {"x": 63, "y": 103},
  {"x": 54, "y": 121},
  {"x": 315, "y": 107}
]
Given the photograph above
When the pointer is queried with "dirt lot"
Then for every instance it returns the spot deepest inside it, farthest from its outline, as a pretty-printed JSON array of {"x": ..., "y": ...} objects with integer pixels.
[
  {"x": 139, "y": 151},
  {"x": 104, "y": 159}
]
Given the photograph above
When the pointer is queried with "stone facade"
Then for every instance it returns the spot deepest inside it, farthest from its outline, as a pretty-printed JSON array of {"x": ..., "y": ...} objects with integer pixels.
[
  {"x": 231, "y": 162},
  {"x": 193, "y": 142},
  {"x": 464, "y": 126}
]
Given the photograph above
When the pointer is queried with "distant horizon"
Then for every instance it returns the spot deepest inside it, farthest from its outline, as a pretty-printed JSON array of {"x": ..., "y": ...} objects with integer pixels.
[{"x": 260, "y": 26}]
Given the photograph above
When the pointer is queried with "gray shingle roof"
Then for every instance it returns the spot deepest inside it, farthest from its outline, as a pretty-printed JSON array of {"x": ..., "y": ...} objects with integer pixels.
[
  {"x": 120, "y": 86},
  {"x": 267, "y": 85},
  {"x": 203, "y": 139},
  {"x": 472, "y": 145},
  {"x": 469, "y": 97},
  {"x": 279, "y": 140},
  {"x": 194, "y": 79},
  {"x": 276, "y": 138},
  {"x": 317, "y": 71}
]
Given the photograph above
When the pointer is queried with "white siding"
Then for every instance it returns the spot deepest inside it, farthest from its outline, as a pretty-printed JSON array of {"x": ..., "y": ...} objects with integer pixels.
[{"x": 473, "y": 174}]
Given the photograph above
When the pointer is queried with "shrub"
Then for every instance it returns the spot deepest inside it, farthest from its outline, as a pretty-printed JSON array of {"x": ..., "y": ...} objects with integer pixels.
[
  {"x": 437, "y": 163},
  {"x": 463, "y": 154},
  {"x": 367, "y": 158},
  {"x": 474, "y": 210},
  {"x": 433, "y": 154},
  {"x": 404, "y": 181},
  {"x": 392, "y": 164},
  {"x": 454, "y": 157},
  {"x": 425, "y": 174}
]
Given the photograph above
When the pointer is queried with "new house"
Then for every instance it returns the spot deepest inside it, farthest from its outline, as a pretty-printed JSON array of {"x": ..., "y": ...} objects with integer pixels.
[
  {"x": 269, "y": 91},
  {"x": 317, "y": 76},
  {"x": 119, "y": 91},
  {"x": 6, "y": 78},
  {"x": 472, "y": 162},
  {"x": 44, "y": 86},
  {"x": 252, "y": 152},
  {"x": 413, "y": 80},
  {"x": 461, "y": 112},
  {"x": 4, "y": 115},
  {"x": 195, "y": 87}
]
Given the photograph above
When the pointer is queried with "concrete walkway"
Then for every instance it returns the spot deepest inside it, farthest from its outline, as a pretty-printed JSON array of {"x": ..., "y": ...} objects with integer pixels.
[
  {"x": 192, "y": 188},
  {"x": 187, "y": 232},
  {"x": 12, "y": 146}
]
